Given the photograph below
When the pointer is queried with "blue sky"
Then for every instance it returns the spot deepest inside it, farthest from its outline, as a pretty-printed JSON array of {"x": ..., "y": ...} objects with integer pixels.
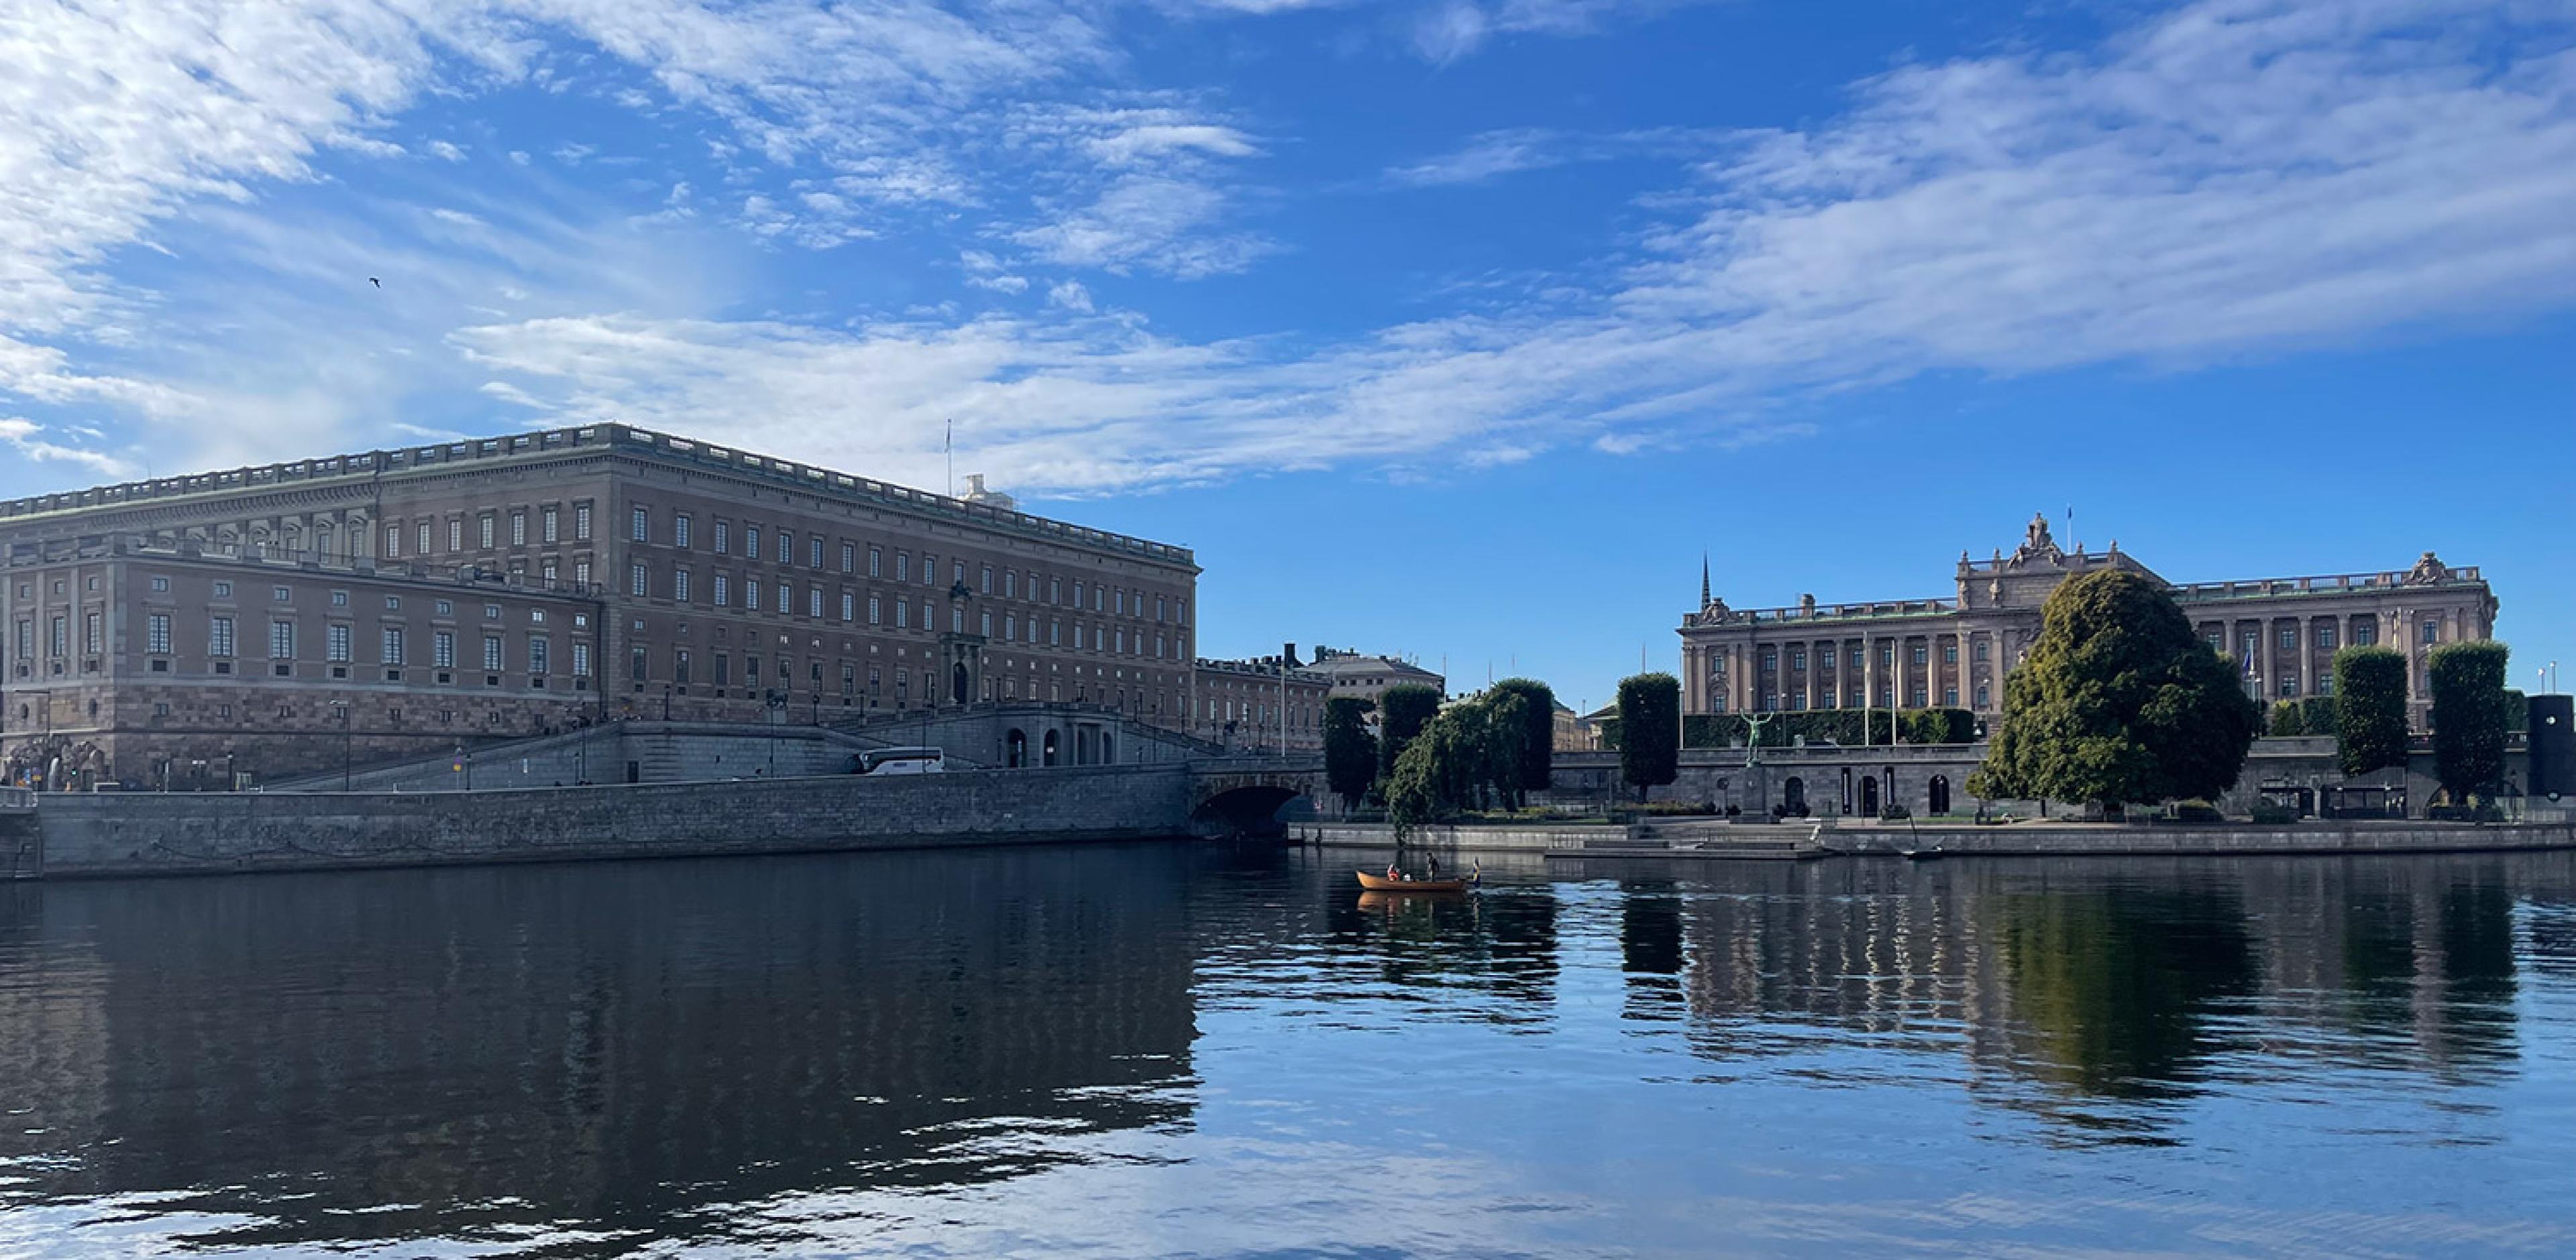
[{"x": 1456, "y": 327}]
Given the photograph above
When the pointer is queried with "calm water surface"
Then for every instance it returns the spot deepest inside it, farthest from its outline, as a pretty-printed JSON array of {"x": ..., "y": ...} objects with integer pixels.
[{"x": 1195, "y": 1050}]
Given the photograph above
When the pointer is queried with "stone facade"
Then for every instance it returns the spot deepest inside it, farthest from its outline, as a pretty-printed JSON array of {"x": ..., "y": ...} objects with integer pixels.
[
  {"x": 676, "y": 580},
  {"x": 1953, "y": 653},
  {"x": 1367, "y": 677},
  {"x": 1267, "y": 704}
]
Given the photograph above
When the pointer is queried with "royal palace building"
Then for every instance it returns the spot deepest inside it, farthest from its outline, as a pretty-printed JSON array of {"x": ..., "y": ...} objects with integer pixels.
[
  {"x": 1952, "y": 653},
  {"x": 243, "y": 625},
  {"x": 1266, "y": 704}
]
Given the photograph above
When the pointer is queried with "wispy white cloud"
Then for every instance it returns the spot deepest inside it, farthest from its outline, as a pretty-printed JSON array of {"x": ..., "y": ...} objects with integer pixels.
[
  {"x": 25, "y": 437},
  {"x": 2232, "y": 178}
]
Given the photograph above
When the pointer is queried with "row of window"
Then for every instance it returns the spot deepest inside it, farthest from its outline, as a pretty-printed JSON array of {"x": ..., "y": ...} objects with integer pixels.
[
  {"x": 1102, "y": 597},
  {"x": 750, "y": 596},
  {"x": 487, "y": 530}
]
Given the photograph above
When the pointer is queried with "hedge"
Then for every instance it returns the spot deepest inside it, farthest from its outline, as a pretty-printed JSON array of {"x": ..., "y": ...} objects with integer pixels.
[{"x": 1843, "y": 726}]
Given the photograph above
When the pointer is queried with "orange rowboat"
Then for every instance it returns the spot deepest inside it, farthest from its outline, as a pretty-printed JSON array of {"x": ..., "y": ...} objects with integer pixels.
[{"x": 1380, "y": 883}]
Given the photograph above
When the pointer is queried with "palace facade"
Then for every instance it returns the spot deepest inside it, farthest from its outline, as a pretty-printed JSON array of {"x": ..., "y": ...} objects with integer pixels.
[
  {"x": 1953, "y": 653},
  {"x": 1263, "y": 704},
  {"x": 213, "y": 629}
]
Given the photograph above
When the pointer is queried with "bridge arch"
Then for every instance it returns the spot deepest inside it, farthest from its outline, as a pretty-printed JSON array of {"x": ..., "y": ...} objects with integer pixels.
[{"x": 1249, "y": 803}]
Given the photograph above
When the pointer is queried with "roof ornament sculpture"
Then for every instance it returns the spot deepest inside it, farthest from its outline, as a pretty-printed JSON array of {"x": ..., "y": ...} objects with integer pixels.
[{"x": 2428, "y": 571}]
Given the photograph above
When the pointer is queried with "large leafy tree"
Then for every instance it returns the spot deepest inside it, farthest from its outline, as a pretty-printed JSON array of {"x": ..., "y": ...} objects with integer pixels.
[
  {"x": 1403, "y": 710},
  {"x": 1350, "y": 752},
  {"x": 2370, "y": 709},
  {"x": 2118, "y": 703},
  {"x": 1537, "y": 739},
  {"x": 2469, "y": 716},
  {"x": 1650, "y": 730}
]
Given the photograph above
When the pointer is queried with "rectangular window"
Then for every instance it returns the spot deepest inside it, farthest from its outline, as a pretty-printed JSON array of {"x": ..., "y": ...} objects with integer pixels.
[
  {"x": 849, "y": 557},
  {"x": 876, "y": 613},
  {"x": 219, "y": 637},
  {"x": 680, "y": 666},
  {"x": 335, "y": 644},
  {"x": 2289, "y": 638},
  {"x": 635, "y": 664},
  {"x": 724, "y": 537},
  {"x": 581, "y": 660},
  {"x": 157, "y": 635},
  {"x": 540, "y": 654},
  {"x": 724, "y": 670},
  {"x": 724, "y": 591},
  {"x": 581, "y": 522},
  {"x": 751, "y": 542},
  {"x": 849, "y": 606},
  {"x": 389, "y": 648},
  {"x": 455, "y": 533},
  {"x": 2432, "y": 630},
  {"x": 751, "y": 594},
  {"x": 281, "y": 640},
  {"x": 2365, "y": 633},
  {"x": 393, "y": 542},
  {"x": 1949, "y": 653},
  {"x": 483, "y": 530},
  {"x": 814, "y": 552},
  {"x": 491, "y": 654},
  {"x": 638, "y": 526},
  {"x": 421, "y": 538},
  {"x": 987, "y": 630},
  {"x": 635, "y": 583},
  {"x": 903, "y": 566},
  {"x": 58, "y": 636},
  {"x": 518, "y": 529},
  {"x": 814, "y": 601},
  {"x": 2326, "y": 635},
  {"x": 2289, "y": 687},
  {"x": 581, "y": 572},
  {"x": 547, "y": 521},
  {"x": 680, "y": 585},
  {"x": 680, "y": 530},
  {"x": 1055, "y": 590},
  {"x": 902, "y": 615},
  {"x": 442, "y": 649},
  {"x": 876, "y": 562},
  {"x": 988, "y": 579},
  {"x": 786, "y": 547}
]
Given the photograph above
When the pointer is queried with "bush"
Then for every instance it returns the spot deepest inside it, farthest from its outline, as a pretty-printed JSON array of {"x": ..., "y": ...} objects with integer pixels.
[
  {"x": 2285, "y": 720},
  {"x": 2197, "y": 812},
  {"x": 1895, "y": 813},
  {"x": 2270, "y": 815}
]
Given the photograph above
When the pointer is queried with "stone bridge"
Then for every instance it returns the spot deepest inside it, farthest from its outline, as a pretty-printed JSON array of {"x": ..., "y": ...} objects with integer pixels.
[{"x": 1244, "y": 796}]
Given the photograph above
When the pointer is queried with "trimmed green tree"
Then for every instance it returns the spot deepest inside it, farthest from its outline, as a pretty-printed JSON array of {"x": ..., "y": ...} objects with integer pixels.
[
  {"x": 2469, "y": 718},
  {"x": 2118, "y": 703},
  {"x": 1350, "y": 752},
  {"x": 2370, "y": 709},
  {"x": 1403, "y": 710},
  {"x": 1650, "y": 730},
  {"x": 2286, "y": 719},
  {"x": 1537, "y": 751}
]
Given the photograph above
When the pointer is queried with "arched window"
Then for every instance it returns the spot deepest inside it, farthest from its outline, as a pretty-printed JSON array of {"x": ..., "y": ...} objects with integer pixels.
[
  {"x": 1793, "y": 797},
  {"x": 1938, "y": 794}
]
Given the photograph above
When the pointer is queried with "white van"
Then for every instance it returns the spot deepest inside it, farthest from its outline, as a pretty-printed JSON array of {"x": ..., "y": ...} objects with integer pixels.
[{"x": 903, "y": 761}]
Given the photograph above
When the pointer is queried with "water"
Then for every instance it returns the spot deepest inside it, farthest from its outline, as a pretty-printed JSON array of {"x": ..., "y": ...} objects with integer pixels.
[{"x": 1195, "y": 1050}]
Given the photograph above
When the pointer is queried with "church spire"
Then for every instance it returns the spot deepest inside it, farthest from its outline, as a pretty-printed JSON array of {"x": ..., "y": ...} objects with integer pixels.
[{"x": 1703, "y": 579}]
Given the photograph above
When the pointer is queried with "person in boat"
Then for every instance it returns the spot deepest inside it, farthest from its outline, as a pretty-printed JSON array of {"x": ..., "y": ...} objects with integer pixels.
[
  {"x": 1392, "y": 872},
  {"x": 1434, "y": 859}
]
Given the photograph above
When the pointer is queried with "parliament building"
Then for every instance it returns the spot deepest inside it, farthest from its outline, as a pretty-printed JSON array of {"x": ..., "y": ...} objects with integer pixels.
[
  {"x": 1953, "y": 653},
  {"x": 237, "y": 626}
]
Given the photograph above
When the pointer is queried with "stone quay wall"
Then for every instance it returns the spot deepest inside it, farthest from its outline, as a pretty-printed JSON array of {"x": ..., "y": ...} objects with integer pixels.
[
  {"x": 115, "y": 834},
  {"x": 2020, "y": 840}
]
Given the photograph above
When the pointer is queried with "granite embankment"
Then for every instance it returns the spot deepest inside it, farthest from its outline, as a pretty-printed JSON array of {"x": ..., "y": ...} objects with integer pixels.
[
  {"x": 1687, "y": 839},
  {"x": 178, "y": 833}
]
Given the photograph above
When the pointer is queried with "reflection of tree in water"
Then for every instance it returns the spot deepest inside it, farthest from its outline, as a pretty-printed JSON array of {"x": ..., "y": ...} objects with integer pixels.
[
  {"x": 2428, "y": 968},
  {"x": 2116, "y": 987},
  {"x": 1650, "y": 947},
  {"x": 1501, "y": 941}
]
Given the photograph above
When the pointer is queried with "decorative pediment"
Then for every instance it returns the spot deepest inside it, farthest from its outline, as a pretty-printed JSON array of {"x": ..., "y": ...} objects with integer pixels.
[{"x": 2428, "y": 571}]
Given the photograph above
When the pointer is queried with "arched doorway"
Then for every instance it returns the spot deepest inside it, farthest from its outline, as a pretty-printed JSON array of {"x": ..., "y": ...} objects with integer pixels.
[
  {"x": 1107, "y": 757},
  {"x": 1793, "y": 797},
  {"x": 1939, "y": 794},
  {"x": 1015, "y": 749},
  {"x": 1869, "y": 795},
  {"x": 1048, "y": 749},
  {"x": 957, "y": 683}
]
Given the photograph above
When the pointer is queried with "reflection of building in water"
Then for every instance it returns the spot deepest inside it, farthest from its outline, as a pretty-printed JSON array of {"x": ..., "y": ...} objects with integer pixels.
[
  {"x": 53, "y": 1028},
  {"x": 616, "y": 1047},
  {"x": 2106, "y": 978}
]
